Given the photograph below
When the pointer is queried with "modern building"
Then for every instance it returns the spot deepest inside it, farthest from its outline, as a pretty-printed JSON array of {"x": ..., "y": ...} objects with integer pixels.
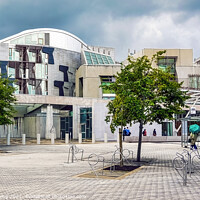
[
  {"x": 46, "y": 63},
  {"x": 57, "y": 84}
]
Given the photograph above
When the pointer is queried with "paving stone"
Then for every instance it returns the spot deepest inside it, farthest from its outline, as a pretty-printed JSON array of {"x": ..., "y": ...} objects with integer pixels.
[{"x": 41, "y": 172}]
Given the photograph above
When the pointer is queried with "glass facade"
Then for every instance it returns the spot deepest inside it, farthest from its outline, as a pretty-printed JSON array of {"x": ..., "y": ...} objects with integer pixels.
[
  {"x": 66, "y": 126},
  {"x": 165, "y": 63},
  {"x": 167, "y": 128},
  {"x": 29, "y": 66},
  {"x": 194, "y": 81},
  {"x": 30, "y": 39},
  {"x": 97, "y": 59},
  {"x": 107, "y": 80},
  {"x": 86, "y": 122}
]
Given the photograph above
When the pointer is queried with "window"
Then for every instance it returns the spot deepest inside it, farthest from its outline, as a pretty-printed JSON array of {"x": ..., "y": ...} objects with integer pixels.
[
  {"x": 46, "y": 69},
  {"x": 107, "y": 80},
  {"x": 40, "y": 41},
  {"x": 46, "y": 86},
  {"x": 194, "y": 81},
  {"x": 97, "y": 59},
  {"x": 167, "y": 128},
  {"x": 10, "y": 52},
  {"x": 86, "y": 122},
  {"x": 168, "y": 62}
]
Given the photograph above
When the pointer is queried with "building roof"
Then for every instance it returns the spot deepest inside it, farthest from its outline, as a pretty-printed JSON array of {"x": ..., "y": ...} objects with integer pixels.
[
  {"x": 42, "y": 30},
  {"x": 93, "y": 58}
]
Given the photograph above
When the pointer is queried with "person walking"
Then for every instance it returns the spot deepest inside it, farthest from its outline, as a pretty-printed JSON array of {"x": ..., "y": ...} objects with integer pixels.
[
  {"x": 193, "y": 139},
  {"x": 154, "y": 132},
  {"x": 144, "y": 132},
  {"x": 124, "y": 133},
  {"x": 128, "y": 133}
]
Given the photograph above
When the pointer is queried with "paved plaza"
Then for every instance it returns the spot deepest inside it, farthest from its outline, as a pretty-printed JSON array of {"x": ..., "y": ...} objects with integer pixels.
[{"x": 42, "y": 172}]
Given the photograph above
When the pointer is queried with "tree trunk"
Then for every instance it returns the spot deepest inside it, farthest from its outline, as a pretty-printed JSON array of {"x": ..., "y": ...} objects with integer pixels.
[
  {"x": 120, "y": 146},
  {"x": 139, "y": 141}
]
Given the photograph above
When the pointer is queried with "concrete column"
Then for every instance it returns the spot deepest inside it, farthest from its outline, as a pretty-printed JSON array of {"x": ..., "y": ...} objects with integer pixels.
[
  {"x": 23, "y": 139},
  {"x": 93, "y": 119},
  {"x": 22, "y": 127},
  {"x": 76, "y": 121},
  {"x": 80, "y": 138},
  {"x": 52, "y": 138},
  {"x": 38, "y": 138},
  {"x": 67, "y": 138},
  {"x": 93, "y": 138},
  {"x": 49, "y": 121},
  {"x": 105, "y": 137}
]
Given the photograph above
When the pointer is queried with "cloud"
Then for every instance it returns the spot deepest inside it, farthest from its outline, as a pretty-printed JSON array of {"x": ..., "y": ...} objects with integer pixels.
[
  {"x": 134, "y": 24},
  {"x": 161, "y": 31}
]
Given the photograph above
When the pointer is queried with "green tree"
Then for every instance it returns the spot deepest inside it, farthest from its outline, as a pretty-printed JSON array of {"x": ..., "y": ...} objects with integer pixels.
[
  {"x": 7, "y": 98},
  {"x": 144, "y": 95}
]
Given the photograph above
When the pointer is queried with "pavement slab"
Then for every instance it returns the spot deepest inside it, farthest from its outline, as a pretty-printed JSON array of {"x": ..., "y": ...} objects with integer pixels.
[{"x": 42, "y": 172}]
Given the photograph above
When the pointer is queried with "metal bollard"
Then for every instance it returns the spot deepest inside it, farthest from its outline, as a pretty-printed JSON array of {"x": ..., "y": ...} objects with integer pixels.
[
  {"x": 67, "y": 138},
  {"x": 105, "y": 137},
  {"x": 80, "y": 138},
  {"x": 93, "y": 138},
  {"x": 23, "y": 139},
  {"x": 38, "y": 138},
  {"x": 52, "y": 138},
  {"x": 8, "y": 139}
]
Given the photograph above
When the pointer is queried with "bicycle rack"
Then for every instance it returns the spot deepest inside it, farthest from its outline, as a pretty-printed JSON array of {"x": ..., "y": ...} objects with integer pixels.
[
  {"x": 182, "y": 165},
  {"x": 97, "y": 159},
  {"x": 73, "y": 149},
  {"x": 186, "y": 163}
]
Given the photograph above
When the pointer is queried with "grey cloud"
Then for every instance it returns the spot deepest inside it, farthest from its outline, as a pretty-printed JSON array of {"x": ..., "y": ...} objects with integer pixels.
[{"x": 87, "y": 18}]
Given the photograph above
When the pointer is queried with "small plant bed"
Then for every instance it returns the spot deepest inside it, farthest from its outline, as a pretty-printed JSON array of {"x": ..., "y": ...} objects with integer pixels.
[
  {"x": 116, "y": 172},
  {"x": 124, "y": 168},
  {"x": 2, "y": 151}
]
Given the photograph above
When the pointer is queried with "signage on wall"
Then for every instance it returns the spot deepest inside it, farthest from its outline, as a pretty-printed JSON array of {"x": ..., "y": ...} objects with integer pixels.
[{"x": 193, "y": 111}]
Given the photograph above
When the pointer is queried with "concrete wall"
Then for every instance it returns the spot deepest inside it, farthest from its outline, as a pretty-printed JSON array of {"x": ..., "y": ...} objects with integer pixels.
[
  {"x": 153, "y": 139},
  {"x": 4, "y": 52},
  {"x": 37, "y": 125},
  {"x": 184, "y": 62},
  {"x": 91, "y": 78},
  {"x": 66, "y": 58}
]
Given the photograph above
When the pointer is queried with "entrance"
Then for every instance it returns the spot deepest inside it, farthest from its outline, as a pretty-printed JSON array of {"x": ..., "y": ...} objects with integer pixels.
[
  {"x": 66, "y": 126},
  {"x": 86, "y": 122}
]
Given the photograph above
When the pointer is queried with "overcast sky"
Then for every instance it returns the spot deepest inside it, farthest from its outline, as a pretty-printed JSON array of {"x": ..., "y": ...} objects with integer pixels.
[{"x": 122, "y": 24}]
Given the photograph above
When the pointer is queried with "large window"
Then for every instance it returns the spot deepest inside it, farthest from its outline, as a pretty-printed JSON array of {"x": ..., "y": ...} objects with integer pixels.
[
  {"x": 167, "y": 128},
  {"x": 194, "y": 81},
  {"x": 107, "y": 80},
  {"x": 165, "y": 63}
]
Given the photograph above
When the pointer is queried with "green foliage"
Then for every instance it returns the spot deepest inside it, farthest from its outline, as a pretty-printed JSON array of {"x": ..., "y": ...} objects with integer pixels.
[
  {"x": 144, "y": 94},
  {"x": 7, "y": 98}
]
